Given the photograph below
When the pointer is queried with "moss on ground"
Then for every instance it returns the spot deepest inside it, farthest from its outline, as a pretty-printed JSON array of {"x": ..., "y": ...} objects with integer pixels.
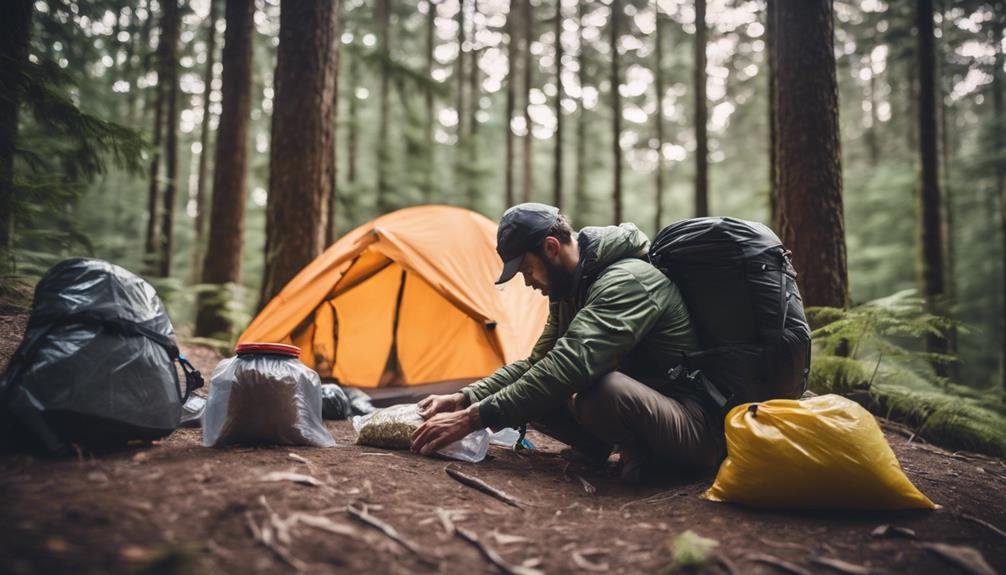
[{"x": 953, "y": 416}]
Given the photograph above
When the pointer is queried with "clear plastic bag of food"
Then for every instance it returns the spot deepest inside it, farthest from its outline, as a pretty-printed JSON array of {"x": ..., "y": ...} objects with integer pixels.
[
  {"x": 266, "y": 396},
  {"x": 392, "y": 427}
]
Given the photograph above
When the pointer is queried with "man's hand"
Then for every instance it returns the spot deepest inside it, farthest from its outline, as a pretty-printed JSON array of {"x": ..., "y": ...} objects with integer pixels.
[
  {"x": 435, "y": 404},
  {"x": 445, "y": 428}
]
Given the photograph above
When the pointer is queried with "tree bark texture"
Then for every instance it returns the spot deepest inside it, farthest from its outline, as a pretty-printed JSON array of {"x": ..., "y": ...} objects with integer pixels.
[
  {"x": 1000, "y": 144},
  {"x": 302, "y": 136},
  {"x": 431, "y": 143},
  {"x": 580, "y": 177},
  {"x": 614, "y": 29},
  {"x": 384, "y": 19},
  {"x": 557, "y": 172},
  {"x": 658, "y": 65},
  {"x": 931, "y": 270},
  {"x": 222, "y": 264},
  {"x": 474, "y": 94},
  {"x": 204, "y": 141},
  {"x": 170, "y": 68},
  {"x": 528, "y": 21},
  {"x": 775, "y": 216},
  {"x": 331, "y": 230},
  {"x": 809, "y": 150},
  {"x": 354, "y": 120},
  {"x": 15, "y": 32},
  {"x": 701, "y": 138},
  {"x": 150, "y": 238},
  {"x": 513, "y": 44}
]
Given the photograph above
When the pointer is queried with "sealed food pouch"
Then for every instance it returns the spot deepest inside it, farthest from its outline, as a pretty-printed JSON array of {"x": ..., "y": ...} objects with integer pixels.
[
  {"x": 825, "y": 452},
  {"x": 392, "y": 427},
  {"x": 264, "y": 395}
]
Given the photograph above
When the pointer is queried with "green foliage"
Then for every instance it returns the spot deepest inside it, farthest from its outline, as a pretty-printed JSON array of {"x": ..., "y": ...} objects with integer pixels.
[
  {"x": 887, "y": 376},
  {"x": 691, "y": 552}
]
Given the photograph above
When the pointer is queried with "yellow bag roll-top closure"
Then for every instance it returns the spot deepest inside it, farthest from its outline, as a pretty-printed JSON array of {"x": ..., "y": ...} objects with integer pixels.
[{"x": 825, "y": 452}]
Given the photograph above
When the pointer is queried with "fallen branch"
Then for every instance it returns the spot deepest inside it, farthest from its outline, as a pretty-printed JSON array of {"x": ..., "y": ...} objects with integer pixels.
[
  {"x": 390, "y": 532},
  {"x": 983, "y": 523},
  {"x": 776, "y": 562},
  {"x": 492, "y": 556},
  {"x": 727, "y": 565},
  {"x": 293, "y": 477},
  {"x": 842, "y": 566},
  {"x": 482, "y": 486},
  {"x": 264, "y": 536}
]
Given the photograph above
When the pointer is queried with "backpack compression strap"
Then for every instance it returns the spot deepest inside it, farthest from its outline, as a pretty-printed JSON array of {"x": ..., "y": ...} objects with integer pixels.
[{"x": 193, "y": 379}]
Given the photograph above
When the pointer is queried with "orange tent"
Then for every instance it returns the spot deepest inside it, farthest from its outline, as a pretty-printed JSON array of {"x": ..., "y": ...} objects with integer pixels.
[{"x": 406, "y": 299}]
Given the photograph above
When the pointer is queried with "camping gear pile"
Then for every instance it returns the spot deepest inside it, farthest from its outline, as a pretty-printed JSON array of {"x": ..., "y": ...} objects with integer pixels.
[
  {"x": 824, "y": 452},
  {"x": 96, "y": 367},
  {"x": 392, "y": 428},
  {"x": 264, "y": 395}
]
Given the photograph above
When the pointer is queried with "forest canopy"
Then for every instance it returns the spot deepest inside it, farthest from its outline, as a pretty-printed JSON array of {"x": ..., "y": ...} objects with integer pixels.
[{"x": 157, "y": 135}]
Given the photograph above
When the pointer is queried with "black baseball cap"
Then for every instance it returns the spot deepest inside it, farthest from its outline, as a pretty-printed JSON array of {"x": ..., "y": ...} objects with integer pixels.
[{"x": 521, "y": 228}]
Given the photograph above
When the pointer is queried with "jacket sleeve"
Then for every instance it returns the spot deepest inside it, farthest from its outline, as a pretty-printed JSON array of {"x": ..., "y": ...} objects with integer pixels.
[
  {"x": 618, "y": 313},
  {"x": 511, "y": 372}
]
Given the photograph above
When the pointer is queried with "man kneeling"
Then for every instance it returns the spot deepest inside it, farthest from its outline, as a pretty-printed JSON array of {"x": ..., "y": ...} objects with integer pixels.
[{"x": 597, "y": 377}]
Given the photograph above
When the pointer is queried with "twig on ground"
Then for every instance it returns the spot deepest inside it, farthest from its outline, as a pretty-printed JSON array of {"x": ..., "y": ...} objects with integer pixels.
[
  {"x": 659, "y": 497},
  {"x": 776, "y": 562},
  {"x": 491, "y": 556},
  {"x": 263, "y": 535},
  {"x": 842, "y": 566},
  {"x": 590, "y": 489},
  {"x": 983, "y": 523},
  {"x": 482, "y": 486},
  {"x": 445, "y": 520},
  {"x": 727, "y": 564},
  {"x": 390, "y": 532},
  {"x": 293, "y": 477}
]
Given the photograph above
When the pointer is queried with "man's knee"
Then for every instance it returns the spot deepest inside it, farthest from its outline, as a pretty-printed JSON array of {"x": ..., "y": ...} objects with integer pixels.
[{"x": 603, "y": 399}]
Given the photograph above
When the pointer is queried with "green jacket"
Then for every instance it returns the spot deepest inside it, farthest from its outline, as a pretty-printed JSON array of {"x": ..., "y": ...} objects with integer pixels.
[{"x": 622, "y": 314}]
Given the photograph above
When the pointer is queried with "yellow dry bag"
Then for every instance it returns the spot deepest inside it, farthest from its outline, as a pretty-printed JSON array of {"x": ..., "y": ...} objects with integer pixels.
[{"x": 825, "y": 452}]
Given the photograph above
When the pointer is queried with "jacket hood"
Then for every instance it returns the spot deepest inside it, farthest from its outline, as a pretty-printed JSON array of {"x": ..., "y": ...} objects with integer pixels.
[{"x": 602, "y": 246}]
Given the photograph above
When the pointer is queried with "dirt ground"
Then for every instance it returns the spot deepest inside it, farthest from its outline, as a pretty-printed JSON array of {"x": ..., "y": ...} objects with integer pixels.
[{"x": 176, "y": 507}]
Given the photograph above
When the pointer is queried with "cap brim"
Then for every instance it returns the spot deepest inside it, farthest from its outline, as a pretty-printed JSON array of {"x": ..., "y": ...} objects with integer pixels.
[{"x": 509, "y": 269}]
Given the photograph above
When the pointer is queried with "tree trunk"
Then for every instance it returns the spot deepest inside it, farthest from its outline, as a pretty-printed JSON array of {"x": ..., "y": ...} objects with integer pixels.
[
  {"x": 204, "y": 142},
  {"x": 302, "y": 136},
  {"x": 384, "y": 19},
  {"x": 460, "y": 135},
  {"x": 331, "y": 229},
  {"x": 474, "y": 93},
  {"x": 15, "y": 32},
  {"x": 354, "y": 121},
  {"x": 150, "y": 239},
  {"x": 616, "y": 109},
  {"x": 512, "y": 27},
  {"x": 809, "y": 150},
  {"x": 222, "y": 264},
  {"x": 658, "y": 65},
  {"x": 557, "y": 174},
  {"x": 931, "y": 271},
  {"x": 775, "y": 215},
  {"x": 580, "y": 177},
  {"x": 528, "y": 22},
  {"x": 1000, "y": 145},
  {"x": 699, "y": 84},
  {"x": 873, "y": 134},
  {"x": 170, "y": 67},
  {"x": 944, "y": 85},
  {"x": 431, "y": 39}
]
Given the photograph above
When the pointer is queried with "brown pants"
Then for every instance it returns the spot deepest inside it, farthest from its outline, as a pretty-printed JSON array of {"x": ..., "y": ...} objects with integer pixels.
[{"x": 674, "y": 433}]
